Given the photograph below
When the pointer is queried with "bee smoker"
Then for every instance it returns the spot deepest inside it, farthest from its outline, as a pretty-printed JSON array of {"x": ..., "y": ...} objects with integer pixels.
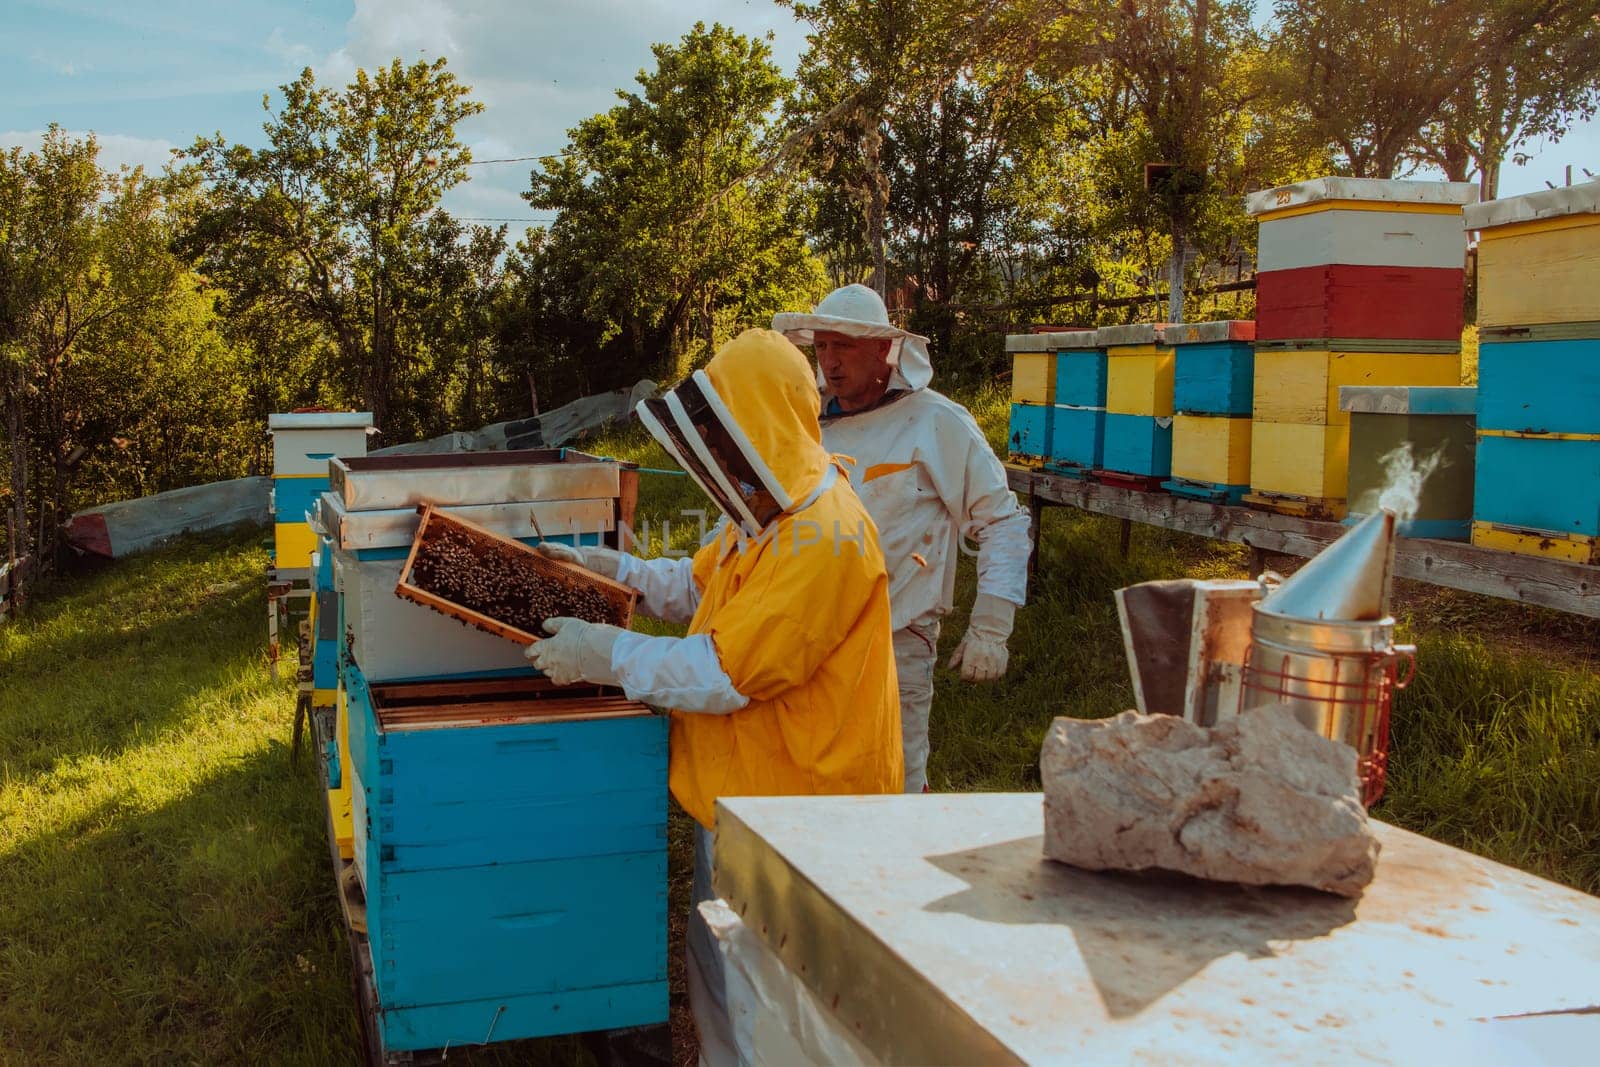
[{"x": 1322, "y": 645}]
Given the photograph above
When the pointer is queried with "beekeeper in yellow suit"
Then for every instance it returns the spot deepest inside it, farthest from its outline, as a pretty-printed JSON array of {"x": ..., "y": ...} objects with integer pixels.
[
  {"x": 930, "y": 481},
  {"x": 785, "y": 684}
]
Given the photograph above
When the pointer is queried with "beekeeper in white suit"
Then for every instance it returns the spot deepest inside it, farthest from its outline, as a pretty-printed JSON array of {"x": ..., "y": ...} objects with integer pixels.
[{"x": 928, "y": 479}]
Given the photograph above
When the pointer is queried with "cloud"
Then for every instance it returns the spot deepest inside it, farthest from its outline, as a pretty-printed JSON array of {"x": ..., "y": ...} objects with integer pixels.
[
  {"x": 116, "y": 149},
  {"x": 294, "y": 53}
]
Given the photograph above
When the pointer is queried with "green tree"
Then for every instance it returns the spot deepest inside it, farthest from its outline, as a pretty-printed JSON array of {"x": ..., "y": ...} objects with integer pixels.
[
  {"x": 867, "y": 61},
  {"x": 959, "y": 165},
  {"x": 1176, "y": 76},
  {"x": 1527, "y": 84},
  {"x": 1370, "y": 76},
  {"x": 331, "y": 221},
  {"x": 116, "y": 381},
  {"x": 658, "y": 251}
]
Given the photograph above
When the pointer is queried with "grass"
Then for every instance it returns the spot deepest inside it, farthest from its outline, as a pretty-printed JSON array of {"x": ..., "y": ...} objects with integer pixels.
[
  {"x": 164, "y": 886},
  {"x": 164, "y": 882}
]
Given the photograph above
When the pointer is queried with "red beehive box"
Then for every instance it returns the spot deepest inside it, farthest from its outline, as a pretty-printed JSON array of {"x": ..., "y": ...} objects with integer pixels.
[
  {"x": 1361, "y": 260},
  {"x": 1349, "y": 301}
]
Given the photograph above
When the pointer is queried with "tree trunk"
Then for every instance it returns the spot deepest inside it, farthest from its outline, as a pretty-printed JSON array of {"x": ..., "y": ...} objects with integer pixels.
[
  {"x": 1175, "y": 274},
  {"x": 1489, "y": 179},
  {"x": 877, "y": 210},
  {"x": 1457, "y": 161}
]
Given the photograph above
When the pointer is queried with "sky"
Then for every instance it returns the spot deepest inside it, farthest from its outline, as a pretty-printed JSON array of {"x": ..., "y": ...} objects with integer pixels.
[{"x": 147, "y": 76}]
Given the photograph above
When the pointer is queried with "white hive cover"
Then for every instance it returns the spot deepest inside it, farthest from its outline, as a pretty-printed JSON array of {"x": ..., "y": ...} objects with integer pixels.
[
  {"x": 1318, "y": 190},
  {"x": 1137, "y": 333},
  {"x": 1547, "y": 204},
  {"x": 320, "y": 420},
  {"x": 1049, "y": 342}
]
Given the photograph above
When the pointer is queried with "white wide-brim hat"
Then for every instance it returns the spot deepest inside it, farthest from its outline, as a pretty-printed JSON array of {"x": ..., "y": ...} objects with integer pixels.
[{"x": 857, "y": 311}]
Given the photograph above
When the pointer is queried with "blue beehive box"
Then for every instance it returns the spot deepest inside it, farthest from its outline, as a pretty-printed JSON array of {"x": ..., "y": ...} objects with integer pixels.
[
  {"x": 1031, "y": 424},
  {"x": 1139, "y": 445},
  {"x": 514, "y": 864},
  {"x": 1215, "y": 372},
  {"x": 1077, "y": 436},
  {"x": 1080, "y": 369},
  {"x": 1540, "y": 386},
  {"x": 1214, "y": 379},
  {"x": 294, "y": 498},
  {"x": 1538, "y": 482}
]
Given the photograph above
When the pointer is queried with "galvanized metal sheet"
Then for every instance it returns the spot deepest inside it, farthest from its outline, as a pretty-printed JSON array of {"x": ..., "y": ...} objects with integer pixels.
[
  {"x": 937, "y": 933},
  {"x": 455, "y": 441},
  {"x": 1363, "y": 238},
  {"x": 1207, "y": 333},
  {"x": 1136, "y": 333},
  {"x": 395, "y": 527},
  {"x": 114, "y": 530},
  {"x": 375, "y": 484},
  {"x": 318, "y": 420},
  {"x": 1530, "y": 207},
  {"x": 1409, "y": 399},
  {"x": 1377, "y": 189},
  {"x": 1050, "y": 342}
]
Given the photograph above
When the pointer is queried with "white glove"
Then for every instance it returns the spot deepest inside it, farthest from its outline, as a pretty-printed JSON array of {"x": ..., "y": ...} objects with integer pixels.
[
  {"x": 604, "y": 561},
  {"x": 576, "y": 651},
  {"x": 982, "y": 655}
]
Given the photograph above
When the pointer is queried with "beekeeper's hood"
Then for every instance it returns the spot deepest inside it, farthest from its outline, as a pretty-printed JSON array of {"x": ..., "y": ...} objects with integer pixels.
[
  {"x": 745, "y": 428},
  {"x": 857, "y": 311}
]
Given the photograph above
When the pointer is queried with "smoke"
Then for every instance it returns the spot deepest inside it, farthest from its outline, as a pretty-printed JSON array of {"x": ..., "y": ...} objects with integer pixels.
[{"x": 1403, "y": 478}]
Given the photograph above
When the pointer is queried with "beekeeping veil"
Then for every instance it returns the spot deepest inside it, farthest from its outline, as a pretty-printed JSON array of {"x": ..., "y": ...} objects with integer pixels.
[
  {"x": 745, "y": 428},
  {"x": 856, "y": 311}
]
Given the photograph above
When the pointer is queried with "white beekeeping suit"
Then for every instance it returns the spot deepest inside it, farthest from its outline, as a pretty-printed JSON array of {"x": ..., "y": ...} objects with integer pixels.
[{"x": 928, "y": 479}]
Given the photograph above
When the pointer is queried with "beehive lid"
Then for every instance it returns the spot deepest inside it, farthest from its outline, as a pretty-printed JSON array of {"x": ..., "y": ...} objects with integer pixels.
[
  {"x": 1322, "y": 190},
  {"x": 1531, "y": 207},
  {"x": 1202, "y": 333},
  {"x": 374, "y": 483},
  {"x": 1027, "y": 342},
  {"x": 1409, "y": 399},
  {"x": 1050, "y": 341},
  {"x": 320, "y": 420},
  {"x": 1137, "y": 333}
]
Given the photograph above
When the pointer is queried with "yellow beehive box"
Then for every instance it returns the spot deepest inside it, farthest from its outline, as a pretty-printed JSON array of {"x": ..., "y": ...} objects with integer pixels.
[
  {"x": 1211, "y": 448},
  {"x": 1033, "y": 378},
  {"x": 1574, "y": 548},
  {"x": 339, "y": 797},
  {"x": 1300, "y": 459},
  {"x": 1303, "y": 386},
  {"x": 1539, "y": 257},
  {"x": 1139, "y": 369},
  {"x": 1139, "y": 381},
  {"x": 292, "y": 544}
]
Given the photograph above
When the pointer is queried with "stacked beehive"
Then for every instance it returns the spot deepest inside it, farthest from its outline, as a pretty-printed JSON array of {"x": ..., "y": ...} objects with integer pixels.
[
  {"x": 1538, "y": 473},
  {"x": 1139, "y": 388},
  {"x": 1359, "y": 282},
  {"x": 303, "y": 443},
  {"x": 1033, "y": 396},
  {"x": 1077, "y": 435},
  {"x": 323, "y": 630},
  {"x": 510, "y": 836},
  {"x": 1212, "y": 386}
]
